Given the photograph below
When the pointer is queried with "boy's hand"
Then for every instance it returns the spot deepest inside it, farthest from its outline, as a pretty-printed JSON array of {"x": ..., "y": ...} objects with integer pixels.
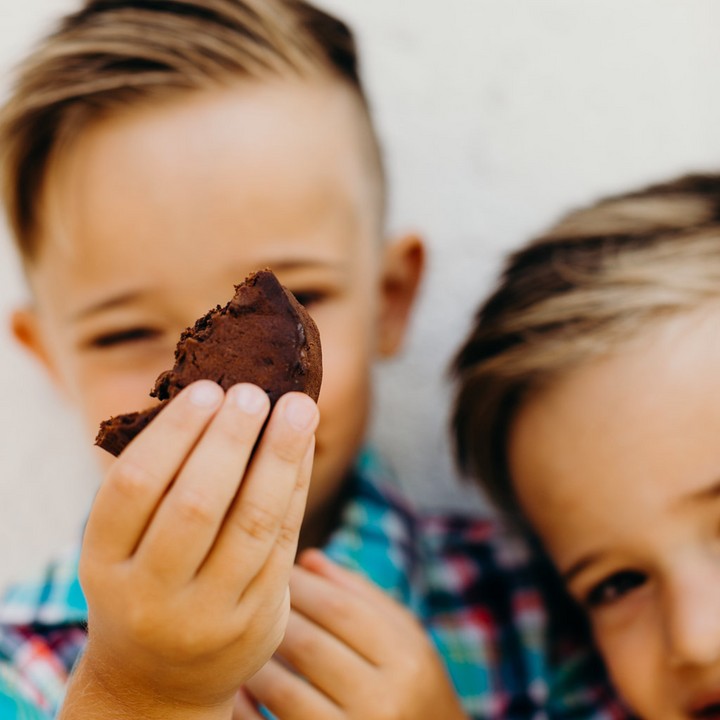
[
  {"x": 363, "y": 656},
  {"x": 185, "y": 568}
]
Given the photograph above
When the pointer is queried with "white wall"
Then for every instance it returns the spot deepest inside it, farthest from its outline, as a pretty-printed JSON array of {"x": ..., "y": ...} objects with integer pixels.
[{"x": 496, "y": 117}]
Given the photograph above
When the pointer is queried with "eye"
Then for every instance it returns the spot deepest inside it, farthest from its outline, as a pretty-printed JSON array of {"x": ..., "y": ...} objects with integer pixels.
[
  {"x": 121, "y": 337},
  {"x": 309, "y": 297},
  {"x": 613, "y": 588}
]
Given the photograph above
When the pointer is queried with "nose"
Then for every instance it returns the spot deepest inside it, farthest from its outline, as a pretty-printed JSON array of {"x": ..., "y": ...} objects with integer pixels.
[{"x": 692, "y": 615}]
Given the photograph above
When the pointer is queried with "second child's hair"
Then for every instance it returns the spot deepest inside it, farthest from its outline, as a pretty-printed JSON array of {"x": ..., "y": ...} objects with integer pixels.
[
  {"x": 117, "y": 53},
  {"x": 600, "y": 277}
]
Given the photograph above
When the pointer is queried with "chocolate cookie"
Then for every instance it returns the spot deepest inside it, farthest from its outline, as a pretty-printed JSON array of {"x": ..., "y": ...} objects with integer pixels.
[{"x": 262, "y": 336}]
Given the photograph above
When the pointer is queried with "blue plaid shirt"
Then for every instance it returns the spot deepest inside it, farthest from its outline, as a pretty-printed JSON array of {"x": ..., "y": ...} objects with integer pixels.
[{"x": 473, "y": 586}]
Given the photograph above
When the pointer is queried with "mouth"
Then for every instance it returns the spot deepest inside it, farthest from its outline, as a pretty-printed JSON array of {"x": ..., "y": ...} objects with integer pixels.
[{"x": 710, "y": 711}]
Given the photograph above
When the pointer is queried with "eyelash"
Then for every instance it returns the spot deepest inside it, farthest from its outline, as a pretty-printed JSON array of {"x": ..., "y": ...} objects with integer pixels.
[
  {"x": 614, "y": 588},
  {"x": 123, "y": 336},
  {"x": 308, "y": 298}
]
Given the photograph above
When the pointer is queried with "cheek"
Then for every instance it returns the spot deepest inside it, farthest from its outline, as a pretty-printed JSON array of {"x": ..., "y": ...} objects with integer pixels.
[
  {"x": 344, "y": 399},
  {"x": 633, "y": 656},
  {"x": 344, "y": 396},
  {"x": 346, "y": 332},
  {"x": 114, "y": 396},
  {"x": 102, "y": 389}
]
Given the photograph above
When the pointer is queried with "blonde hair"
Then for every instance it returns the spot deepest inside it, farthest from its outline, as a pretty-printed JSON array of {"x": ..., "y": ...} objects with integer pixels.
[
  {"x": 115, "y": 53},
  {"x": 600, "y": 277}
]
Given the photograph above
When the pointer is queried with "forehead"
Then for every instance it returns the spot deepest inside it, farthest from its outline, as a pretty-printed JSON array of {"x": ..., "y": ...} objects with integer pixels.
[
  {"x": 266, "y": 169},
  {"x": 623, "y": 438}
]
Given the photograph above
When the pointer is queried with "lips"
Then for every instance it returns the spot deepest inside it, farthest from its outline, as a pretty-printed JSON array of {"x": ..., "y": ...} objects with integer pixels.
[
  {"x": 706, "y": 707},
  {"x": 710, "y": 712}
]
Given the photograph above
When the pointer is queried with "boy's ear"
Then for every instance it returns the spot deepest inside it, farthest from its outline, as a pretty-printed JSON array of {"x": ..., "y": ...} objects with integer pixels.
[
  {"x": 25, "y": 327},
  {"x": 403, "y": 266}
]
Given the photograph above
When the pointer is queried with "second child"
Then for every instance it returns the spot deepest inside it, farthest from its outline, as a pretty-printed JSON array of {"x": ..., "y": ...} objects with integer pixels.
[{"x": 589, "y": 405}]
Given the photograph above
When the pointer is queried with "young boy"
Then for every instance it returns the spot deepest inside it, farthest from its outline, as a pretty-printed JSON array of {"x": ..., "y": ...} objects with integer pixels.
[
  {"x": 594, "y": 365},
  {"x": 155, "y": 153}
]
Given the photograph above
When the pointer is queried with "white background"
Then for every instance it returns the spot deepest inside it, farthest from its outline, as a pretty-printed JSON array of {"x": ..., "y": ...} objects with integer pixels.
[{"x": 496, "y": 116}]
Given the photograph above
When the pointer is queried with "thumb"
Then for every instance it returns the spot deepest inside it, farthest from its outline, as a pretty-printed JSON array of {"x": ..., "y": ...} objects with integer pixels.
[{"x": 317, "y": 562}]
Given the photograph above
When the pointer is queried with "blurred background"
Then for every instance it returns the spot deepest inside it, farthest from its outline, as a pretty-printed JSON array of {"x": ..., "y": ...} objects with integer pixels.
[{"x": 496, "y": 117}]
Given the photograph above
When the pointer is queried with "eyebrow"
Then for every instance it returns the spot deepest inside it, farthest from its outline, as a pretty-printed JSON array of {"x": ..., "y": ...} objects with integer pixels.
[
  {"x": 108, "y": 304},
  {"x": 583, "y": 563},
  {"x": 708, "y": 493}
]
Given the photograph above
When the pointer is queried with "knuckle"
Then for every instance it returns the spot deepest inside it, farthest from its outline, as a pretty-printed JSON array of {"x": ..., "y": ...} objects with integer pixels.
[
  {"x": 306, "y": 646},
  {"x": 288, "y": 451},
  {"x": 303, "y": 482},
  {"x": 239, "y": 430},
  {"x": 287, "y": 695},
  {"x": 131, "y": 479},
  {"x": 339, "y": 608},
  {"x": 193, "y": 641},
  {"x": 258, "y": 523},
  {"x": 195, "y": 507},
  {"x": 287, "y": 537}
]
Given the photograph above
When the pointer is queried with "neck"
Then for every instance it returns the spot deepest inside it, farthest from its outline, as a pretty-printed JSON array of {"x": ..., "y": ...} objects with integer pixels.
[{"x": 320, "y": 522}]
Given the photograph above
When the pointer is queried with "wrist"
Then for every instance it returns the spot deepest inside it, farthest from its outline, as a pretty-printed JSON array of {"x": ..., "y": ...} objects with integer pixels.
[{"x": 98, "y": 690}]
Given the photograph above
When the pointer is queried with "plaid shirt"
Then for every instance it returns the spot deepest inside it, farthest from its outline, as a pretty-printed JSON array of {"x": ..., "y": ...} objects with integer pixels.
[{"x": 473, "y": 586}]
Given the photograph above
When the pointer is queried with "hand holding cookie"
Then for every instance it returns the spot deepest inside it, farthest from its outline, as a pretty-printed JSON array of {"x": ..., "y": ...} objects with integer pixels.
[
  {"x": 189, "y": 546},
  {"x": 188, "y": 552}
]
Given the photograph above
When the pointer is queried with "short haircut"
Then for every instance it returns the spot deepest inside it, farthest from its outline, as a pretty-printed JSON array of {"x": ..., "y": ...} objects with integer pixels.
[
  {"x": 116, "y": 53},
  {"x": 595, "y": 281}
]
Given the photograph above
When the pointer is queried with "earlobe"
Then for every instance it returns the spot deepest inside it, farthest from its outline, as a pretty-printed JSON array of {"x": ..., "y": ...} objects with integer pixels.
[
  {"x": 404, "y": 263},
  {"x": 25, "y": 328}
]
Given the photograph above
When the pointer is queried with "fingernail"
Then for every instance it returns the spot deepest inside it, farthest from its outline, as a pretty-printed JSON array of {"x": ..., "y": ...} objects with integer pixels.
[
  {"x": 250, "y": 398},
  {"x": 300, "y": 412},
  {"x": 205, "y": 393}
]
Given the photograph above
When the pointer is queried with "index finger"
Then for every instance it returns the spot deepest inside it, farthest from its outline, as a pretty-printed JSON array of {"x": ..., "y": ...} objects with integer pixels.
[{"x": 138, "y": 479}]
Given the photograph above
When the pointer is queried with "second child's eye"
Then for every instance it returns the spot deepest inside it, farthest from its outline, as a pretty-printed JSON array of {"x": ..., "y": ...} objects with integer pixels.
[
  {"x": 613, "y": 588},
  {"x": 131, "y": 335}
]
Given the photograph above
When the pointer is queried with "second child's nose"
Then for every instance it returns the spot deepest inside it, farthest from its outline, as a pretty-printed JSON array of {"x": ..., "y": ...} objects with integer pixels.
[{"x": 692, "y": 615}]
